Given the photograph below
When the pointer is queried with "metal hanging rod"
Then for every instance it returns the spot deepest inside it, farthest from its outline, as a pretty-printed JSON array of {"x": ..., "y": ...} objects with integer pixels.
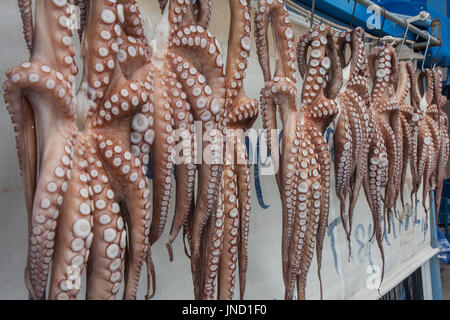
[{"x": 401, "y": 22}]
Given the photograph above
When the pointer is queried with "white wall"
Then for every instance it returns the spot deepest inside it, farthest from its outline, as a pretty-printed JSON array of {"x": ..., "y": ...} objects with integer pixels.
[{"x": 341, "y": 278}]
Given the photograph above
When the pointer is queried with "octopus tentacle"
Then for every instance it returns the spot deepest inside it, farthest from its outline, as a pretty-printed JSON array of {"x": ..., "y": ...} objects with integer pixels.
[
  {"x": 47, "y": 204},
  {"x": 136, "y": 209},
  {"x": 104, "y": 271},
  {"x": 283, "y": 92},
  {"x": 376, "y": 179},
  {"x": 269, "y": 120},
  {"x": 131, "y": 55},
  {"x": 74, "y": 233},
  {"x": 184, "y": 13},
  {"x": 307, "y": 213},
  {"x": 98, "y": 47},
  {"x": 344, "y": 164},
  {"x": 161, "y": 153},
  {"x": 350, "y": 135},
  {"x": 443, "y": 153},
  {"x": 241, "y": 114},
  {"x": 324, "y": 160},
  {"x": 202, "y": 11},
  {"x": 384, "y": 70},
  {"x": 279, "y": 92},
  {"x": 28, "y": 91},
  {"x": 229, "y": 256},
  {"x": 185, "y": 169},
  {"x": 27, "y": 21},
  {"x": 243, "y": 181},
  {"x": 59, "y": 56},
  {"x": 407, "y": 146},
  {"x": 213, "y": 262},
  {"x": 276, "y": 13},
  {"x": 391, "y": 147},
  {"x": 206, "y": 108},
  {"x": 132, "y": 25}
]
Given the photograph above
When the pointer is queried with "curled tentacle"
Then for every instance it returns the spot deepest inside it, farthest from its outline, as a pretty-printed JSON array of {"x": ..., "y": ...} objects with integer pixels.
[{"x": 276, "y": 13}]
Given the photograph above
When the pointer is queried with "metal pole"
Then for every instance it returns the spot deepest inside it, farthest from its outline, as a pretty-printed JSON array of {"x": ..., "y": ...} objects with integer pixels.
[
  {"x": 313, "y": 7},
  {"x": 401, "y": 22}
]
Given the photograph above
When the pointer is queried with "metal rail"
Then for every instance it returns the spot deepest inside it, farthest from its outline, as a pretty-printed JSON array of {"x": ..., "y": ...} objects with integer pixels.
[{"x": 401, "y": 22}]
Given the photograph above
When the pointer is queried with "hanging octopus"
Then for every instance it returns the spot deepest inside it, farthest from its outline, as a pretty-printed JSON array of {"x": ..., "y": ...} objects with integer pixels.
[
  {"x": 407, "y": 117},
  {"x": 428, "y": 138},
  {"x": 86, "y": 194},
  {"x": 305, "y": 161},
  {"x": 350, "y": 139},
  {"x": 186, "y": 75},
  {"x": 442, "y": 120},
  {"x": 383, "y": 71}
]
